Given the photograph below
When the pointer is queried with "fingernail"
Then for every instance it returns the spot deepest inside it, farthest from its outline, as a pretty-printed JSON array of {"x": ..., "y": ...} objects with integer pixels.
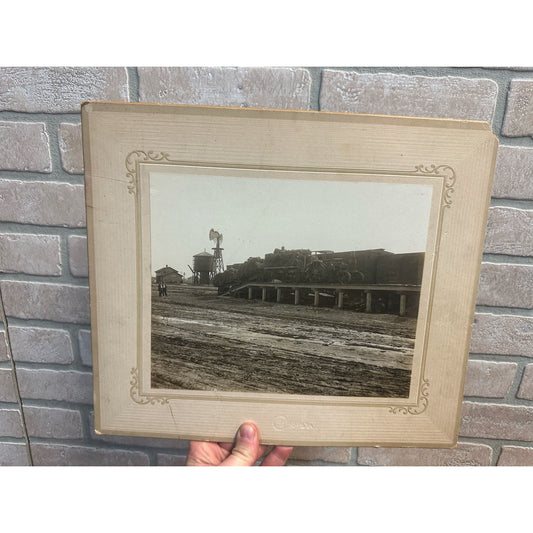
[{"x": 247, "y": 432}]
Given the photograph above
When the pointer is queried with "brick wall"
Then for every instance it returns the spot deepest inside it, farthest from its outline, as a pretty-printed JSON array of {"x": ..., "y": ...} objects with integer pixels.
[{"x": 43, "y": 259}]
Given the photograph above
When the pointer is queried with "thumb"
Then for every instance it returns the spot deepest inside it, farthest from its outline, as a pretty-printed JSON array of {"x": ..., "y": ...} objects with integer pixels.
[{"x": 246, "y": 450}]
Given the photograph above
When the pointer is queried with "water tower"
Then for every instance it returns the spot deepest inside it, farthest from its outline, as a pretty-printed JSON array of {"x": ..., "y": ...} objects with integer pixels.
[{"x": 203, "y": 267}]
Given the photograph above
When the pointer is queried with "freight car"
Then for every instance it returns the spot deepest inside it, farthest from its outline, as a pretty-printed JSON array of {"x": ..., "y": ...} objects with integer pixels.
[
  {"x": 400, "y": 269},
  {"x": 355, "y": 267}
]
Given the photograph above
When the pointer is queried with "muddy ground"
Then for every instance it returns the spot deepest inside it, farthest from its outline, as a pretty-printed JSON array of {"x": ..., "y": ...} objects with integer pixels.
[{"x": 202, "y": 341}]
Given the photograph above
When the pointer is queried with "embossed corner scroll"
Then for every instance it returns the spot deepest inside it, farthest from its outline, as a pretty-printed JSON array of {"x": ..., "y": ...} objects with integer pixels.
[
  {"x": 140, "y": 156},
  {"x": 443, "y": 171},
  {"x": 143, "y": 399},
  {"x": 423, "y": 400}
]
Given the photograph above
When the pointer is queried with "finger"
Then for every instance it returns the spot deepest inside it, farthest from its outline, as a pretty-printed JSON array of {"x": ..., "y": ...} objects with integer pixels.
[
  {"x": 277, "y": 456},
  {"x": 205, "y": 454},
  {"x": 226, "y": 446},
  {"x": 246, "y": 450}
]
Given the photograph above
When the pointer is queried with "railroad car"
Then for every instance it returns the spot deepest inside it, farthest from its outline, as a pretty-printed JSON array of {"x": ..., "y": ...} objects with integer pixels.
[{"x": 356, "y": 267}]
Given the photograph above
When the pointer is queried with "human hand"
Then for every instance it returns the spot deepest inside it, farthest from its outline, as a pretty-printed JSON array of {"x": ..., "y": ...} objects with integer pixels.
[{"x": 245, "y": 451}]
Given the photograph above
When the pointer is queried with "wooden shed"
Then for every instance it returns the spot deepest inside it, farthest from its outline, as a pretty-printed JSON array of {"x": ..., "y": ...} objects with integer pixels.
[{"x": 168, "y": 275}]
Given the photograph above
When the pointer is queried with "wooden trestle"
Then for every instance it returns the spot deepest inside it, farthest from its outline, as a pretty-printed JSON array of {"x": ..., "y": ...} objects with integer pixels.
[{"x": 339, "y": 290}]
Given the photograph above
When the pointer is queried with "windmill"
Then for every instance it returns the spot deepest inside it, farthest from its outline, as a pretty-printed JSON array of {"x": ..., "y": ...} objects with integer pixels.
[{"x": 218, "y": 263}]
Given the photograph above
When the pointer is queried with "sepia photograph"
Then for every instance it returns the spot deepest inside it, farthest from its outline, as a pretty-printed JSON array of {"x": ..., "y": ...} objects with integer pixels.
[{"x": 279, "y": 284}]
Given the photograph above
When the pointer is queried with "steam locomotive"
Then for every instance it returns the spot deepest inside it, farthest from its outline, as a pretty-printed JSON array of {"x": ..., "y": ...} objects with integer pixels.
[{"x": 325, "y": 267}]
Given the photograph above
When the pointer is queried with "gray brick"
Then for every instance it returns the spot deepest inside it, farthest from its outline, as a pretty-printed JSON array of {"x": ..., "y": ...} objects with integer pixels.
[
  {"x": 59, "y": 385},
  {"x": 41, "y": 384},
  {"x": 513, "y": 175},
  {"x": 10, "y": 423},
  {"x": 41, "y": 345},
  {"x": 400, "y": 94},
  {"x": 526, "y": 385},
  {"x": 463, "y": 455},
  {"x": 502, "y": 334},
  {"x": 321, "y": 453},
  {"x": 506, "y": 285},
  {"x": 509, "y": 231},
  {"x": 518, "y": 121},
  {"x": 145, "y": 442},
  {"x": 284, "y": 88},
  {"x": 52, "y": 423},
  {"x": 516, "y": 456},
  {"x": 489, "y": 379},
  {"x": 7, "y": 387},
  {"x": 24, "y": 146},
  {"x": 166, "y": 459},
  {"x": 137, "y": 441},
  {"x": 59, "y": 89},
  {"x": 43, "y": 203},
  {"x": 77, "y": 256},
  {"x": 30, "y": 254},
  {"x": 59, "y": 455},
  {"x": 12, "y": 454},
  {"x": 46, "y": 301},
  {"x": 496, "y": 421},
  {"x": 84, "y": 343},
  {"x": 70, "y": 148},
  {"x": 43, "y": 422}
]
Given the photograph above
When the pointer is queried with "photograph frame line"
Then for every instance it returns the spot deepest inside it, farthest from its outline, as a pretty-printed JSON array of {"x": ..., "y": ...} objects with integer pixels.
[{"x": 137, "y": 158}]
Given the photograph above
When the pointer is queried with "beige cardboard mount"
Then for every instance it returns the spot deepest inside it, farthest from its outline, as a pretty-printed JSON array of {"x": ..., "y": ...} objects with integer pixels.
[{"x": 125, "y": 144}]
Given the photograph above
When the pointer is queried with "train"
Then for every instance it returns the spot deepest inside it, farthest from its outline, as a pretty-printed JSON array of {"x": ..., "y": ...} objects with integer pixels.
[{"x": 301, "y": 266}]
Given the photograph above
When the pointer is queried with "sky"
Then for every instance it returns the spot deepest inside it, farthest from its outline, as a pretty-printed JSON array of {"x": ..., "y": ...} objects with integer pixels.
[{"x": 257, "y": 215}]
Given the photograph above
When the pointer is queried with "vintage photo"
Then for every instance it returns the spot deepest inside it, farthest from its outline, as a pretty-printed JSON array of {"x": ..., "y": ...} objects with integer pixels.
[
  {"x": 313, "y": 272},
  {"x": 283, "y": 285}
]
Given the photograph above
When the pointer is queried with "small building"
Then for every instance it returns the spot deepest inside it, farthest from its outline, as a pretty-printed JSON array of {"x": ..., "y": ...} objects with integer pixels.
[{"x": 168, "y": 275}]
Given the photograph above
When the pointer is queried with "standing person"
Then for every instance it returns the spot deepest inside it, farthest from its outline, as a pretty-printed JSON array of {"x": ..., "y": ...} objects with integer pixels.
[
  {"x": 164, "y": 289},
  {"x": 160, "y": 288}
]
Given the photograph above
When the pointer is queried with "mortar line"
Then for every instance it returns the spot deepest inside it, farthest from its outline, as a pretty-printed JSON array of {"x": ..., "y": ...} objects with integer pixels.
[
  {"x": 133, "y": 84},
  {"x": 15, "y": 378},
  {"x": 320, "y": 77}
]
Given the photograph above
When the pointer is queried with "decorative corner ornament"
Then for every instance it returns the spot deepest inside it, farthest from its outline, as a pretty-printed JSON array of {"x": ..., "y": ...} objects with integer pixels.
[
  {"x": 444, "y": 171},
  {"x": 420, "y": 407},
  {"x": 140, "y": 156},
  {"x": 143, "y": 399}
]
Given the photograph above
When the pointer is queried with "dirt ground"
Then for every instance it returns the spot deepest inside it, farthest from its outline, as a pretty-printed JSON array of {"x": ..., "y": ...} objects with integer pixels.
[{"x": 202, "y": 341}]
